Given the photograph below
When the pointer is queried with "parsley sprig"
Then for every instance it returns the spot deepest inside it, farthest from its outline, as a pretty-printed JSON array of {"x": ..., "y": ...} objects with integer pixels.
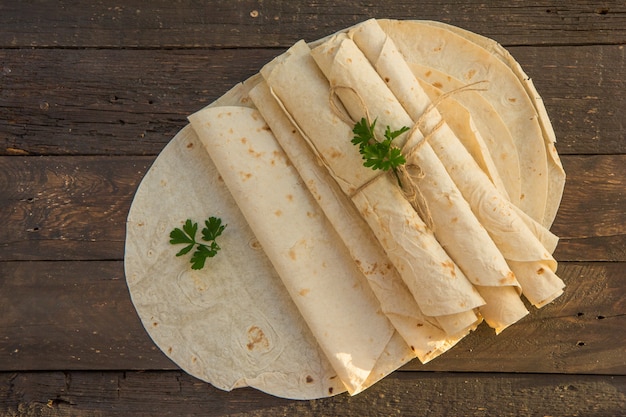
[
  {"x": 377, "y": 154},
  {"x": 187, "y": 236}
]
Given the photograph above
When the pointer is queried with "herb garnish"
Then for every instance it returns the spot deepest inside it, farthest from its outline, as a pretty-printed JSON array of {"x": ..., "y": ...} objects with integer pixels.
[
  {"x": 378, "y": 154},
  {"x": 187, "y": 236}
]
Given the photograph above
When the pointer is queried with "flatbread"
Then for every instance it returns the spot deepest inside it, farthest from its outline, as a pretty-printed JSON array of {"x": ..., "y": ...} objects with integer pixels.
[{"x": 329, "y": 300}]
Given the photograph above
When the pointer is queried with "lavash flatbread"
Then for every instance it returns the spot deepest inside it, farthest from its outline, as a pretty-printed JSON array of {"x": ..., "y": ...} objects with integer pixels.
[
  {"x": 235, "y": 324},
  {"x": 440, "y": 288}
]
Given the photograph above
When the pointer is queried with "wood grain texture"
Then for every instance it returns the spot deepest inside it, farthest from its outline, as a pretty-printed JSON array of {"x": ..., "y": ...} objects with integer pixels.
[
  {"x": 88, "y": 102},
  {"x": 403, "y": 393},
  {"x": 79, "y": 316},
  {"x": 257, "y": 23},
  {"x": 75, "y": 208}
]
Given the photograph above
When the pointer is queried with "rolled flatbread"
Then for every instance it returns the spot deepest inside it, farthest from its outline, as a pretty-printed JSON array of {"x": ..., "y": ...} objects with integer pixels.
[
  {"x": 455, "y": 225},
  {"x": 331, "y": 294},
  {"x": 496, "y": 213},
  {"x": 438, "y": 285},
  {"x": 422, "y": 333}
]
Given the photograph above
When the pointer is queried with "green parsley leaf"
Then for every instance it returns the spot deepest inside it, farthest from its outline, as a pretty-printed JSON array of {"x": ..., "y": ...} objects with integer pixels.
[
  {"x": 187, "y": 236},
  {"x": 213, "y": 229},
  {"x": 377, "y": 154}
]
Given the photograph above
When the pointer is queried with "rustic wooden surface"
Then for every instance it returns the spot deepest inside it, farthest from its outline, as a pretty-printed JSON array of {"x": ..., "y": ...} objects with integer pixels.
[{"x": 90, "y": 92}]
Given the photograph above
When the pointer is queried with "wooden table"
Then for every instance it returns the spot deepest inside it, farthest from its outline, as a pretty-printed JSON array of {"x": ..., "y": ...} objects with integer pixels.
[{"x": 90, "y": 92}]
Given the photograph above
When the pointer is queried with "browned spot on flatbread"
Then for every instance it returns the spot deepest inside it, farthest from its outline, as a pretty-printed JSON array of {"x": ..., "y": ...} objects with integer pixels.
[
  {"x": 470, "y": 74},
  {"x": 508, "y": 279},
  {"x": 309, "y": 379},
  {"x": 257, "y": 339},
  {"x": 278, "y": 213},
  {"x": 450, "y": 265},
  {"x": 292, "y": 254},
  {"x": 512, "y": 99},
  {"x": 169, "y": 350},
  {"x": 334, "y": 153},
  {"x": 437, "y": 84},
  {"x": 289, "y": 197},
  {"x": 190, "y": 145},
  {"x": 243, "y": 140},
  {"x": 387, "y": 79},
  {"x": 540, "y": 271},
  {"x": 245, "y": 175},
  {"x": 413, "y": 348},
  {"x": 455, "y": 220},
  {"x": 428, "y": 73},
  {"x": 330, "y": 390},
  {"x": 304, "y": 291}
]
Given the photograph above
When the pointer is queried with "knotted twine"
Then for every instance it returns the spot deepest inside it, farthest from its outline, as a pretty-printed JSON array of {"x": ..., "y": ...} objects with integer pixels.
[{"x": 409, "y": 173}]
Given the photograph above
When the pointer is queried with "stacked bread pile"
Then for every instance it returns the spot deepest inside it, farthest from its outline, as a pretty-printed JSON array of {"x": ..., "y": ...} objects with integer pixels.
[{"x": 334, "y": 274}]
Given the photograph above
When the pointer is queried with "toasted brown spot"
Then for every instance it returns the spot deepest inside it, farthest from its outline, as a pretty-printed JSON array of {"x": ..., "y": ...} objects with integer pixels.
[
  {"x": 309, "y": 379},
  {"x": 243, "y": 140},
  {"x": 169, "y": 349},
  {"x": 512, "y": 99},
  {"x": 540, "y": 271},
  {"x": 449, "y": 265},
  {"x": 510, "y": 277},
  {"x": 413, "y": 348},
  {"x": 245, "y": 175},
  {"x": 257, "y": 339},
  {"x": 194, "y": 359},
  {"x": 292, "y": 254},
  {"x": 437, "y": 49},
  {"x": 289, "y": 197},
  {"x": 330, "y": 390},
  {"x": 304, "y": 291},
  {"x": 428, "y": 73},
  {"x": 455, "y": 219},
  {"x": 420, "y": 325},
  {"x": 334, "y": 153},
  {"x": 470, "y": 74},
  {"x": 437, "y": 84},
  {"x": 387, "y": 79},
  {"x": 140, "y": 224},
  {"x": 190, "y": 145},
  {"x": 155, "y": 324},
  {"x": 522, "y": 196},
  {"x": 278, "y": 213}
]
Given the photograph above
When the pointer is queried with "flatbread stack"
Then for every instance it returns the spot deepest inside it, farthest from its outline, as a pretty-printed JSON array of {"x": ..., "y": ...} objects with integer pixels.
[{"x": 332, "y": 274}]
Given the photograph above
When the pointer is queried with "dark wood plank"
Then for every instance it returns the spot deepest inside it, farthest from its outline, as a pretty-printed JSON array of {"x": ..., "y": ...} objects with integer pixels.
[
  {"x": 75, "y": 208},
  {"x": 66, "y": 207},
  {"x": 81, "y": 102},
  {"x": 250, "y": 23},
  {"x": 78, "y": 315},
  {"x": 71, "y": 315},
  {"x": 405, "y": 393},
  {"x": 110, "y": 101}
]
